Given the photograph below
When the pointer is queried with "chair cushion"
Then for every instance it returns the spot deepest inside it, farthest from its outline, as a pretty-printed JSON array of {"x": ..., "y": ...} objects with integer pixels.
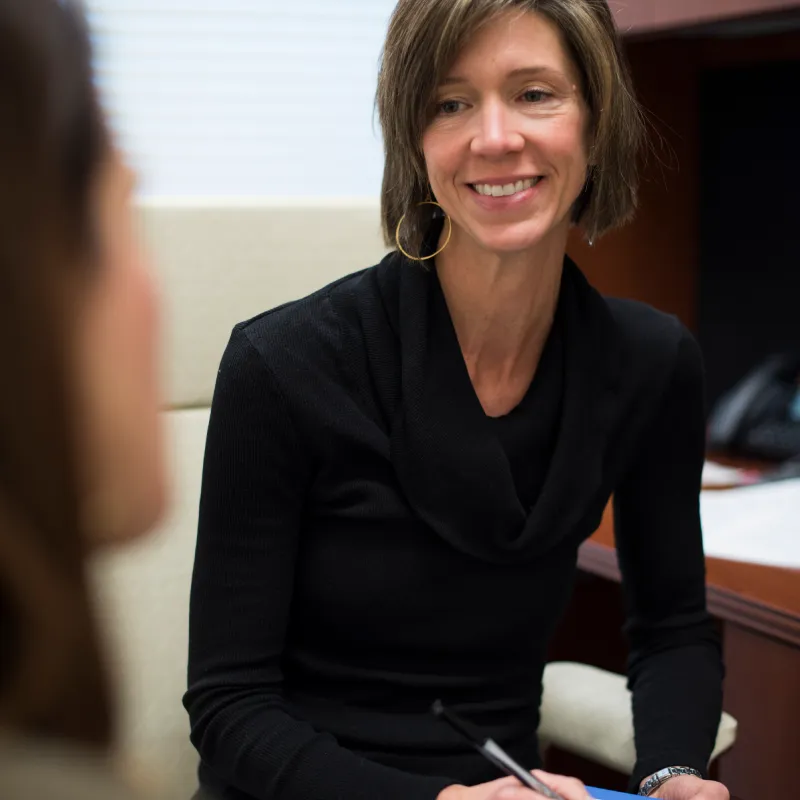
[
  {"x": 587, "y": 711},
  {"x": 223, "y": 262}
]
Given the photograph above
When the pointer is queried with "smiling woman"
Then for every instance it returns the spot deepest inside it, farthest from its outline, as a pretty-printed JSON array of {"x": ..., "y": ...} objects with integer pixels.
[
  {"x": 572, "y": 61},
  {"x": 507, "y": 152},
  {"x": 401, "y": 467}
]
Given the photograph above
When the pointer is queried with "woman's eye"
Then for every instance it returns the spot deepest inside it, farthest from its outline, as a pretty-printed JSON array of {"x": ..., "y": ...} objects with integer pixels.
[
  {"x": 535, "y": 95},
  {"x": 449, "y": 107}
]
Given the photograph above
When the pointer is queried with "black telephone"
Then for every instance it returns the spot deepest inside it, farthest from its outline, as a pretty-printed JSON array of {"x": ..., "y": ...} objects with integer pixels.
[{"x": 760, "y": 416}]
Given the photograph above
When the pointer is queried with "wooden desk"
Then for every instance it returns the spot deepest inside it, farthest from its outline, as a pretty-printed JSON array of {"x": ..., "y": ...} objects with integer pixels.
[
  {"x": 657, "y": 259},
  {"x": 758, "y": 611}
]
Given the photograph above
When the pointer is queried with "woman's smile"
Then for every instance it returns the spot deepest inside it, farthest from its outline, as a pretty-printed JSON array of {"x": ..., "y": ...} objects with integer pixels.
[{"x": 505, "y": 194}]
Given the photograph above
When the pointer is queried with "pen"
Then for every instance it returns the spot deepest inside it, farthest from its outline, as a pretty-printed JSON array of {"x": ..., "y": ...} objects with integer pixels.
[{"x": 492, "y": 751}]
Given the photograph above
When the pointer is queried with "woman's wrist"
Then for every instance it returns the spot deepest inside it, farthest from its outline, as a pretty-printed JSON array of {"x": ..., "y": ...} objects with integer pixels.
[
  {"x": 450, "y": 792},
  {"x": 658, "y": 779}
]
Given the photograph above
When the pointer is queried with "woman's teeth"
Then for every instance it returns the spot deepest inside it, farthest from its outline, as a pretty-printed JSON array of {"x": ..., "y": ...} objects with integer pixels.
[{"x": 489, "y": 190}]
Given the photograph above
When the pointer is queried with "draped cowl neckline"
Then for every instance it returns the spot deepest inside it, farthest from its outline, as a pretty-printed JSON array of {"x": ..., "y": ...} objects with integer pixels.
[{"x": 450, "y": 466}]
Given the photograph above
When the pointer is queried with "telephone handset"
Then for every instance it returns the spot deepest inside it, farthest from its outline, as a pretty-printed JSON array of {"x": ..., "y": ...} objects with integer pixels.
[{"x": 760, "y": 415}]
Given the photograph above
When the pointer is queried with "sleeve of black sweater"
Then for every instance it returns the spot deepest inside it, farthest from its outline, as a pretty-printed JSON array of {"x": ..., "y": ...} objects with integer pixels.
[
  {"x": 255, "y": 477},
  {"x": 675, "y": 667}
]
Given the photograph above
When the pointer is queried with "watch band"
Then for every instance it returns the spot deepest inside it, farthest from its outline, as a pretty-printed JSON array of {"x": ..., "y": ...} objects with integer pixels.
[{"x": 662, "y": 776}]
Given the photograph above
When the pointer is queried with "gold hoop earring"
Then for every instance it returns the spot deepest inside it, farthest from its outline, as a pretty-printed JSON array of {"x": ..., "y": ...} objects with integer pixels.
[{"x": 447, "y": 240}]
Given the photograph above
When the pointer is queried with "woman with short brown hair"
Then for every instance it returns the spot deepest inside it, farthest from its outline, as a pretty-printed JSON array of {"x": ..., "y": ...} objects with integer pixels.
[
  {"x": 422, "y": 43},
  {"x": 401, "y": 467}
]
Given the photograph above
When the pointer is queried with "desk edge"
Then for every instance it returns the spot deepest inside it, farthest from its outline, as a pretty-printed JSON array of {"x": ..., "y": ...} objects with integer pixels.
[{"x": 601, "y": 560}]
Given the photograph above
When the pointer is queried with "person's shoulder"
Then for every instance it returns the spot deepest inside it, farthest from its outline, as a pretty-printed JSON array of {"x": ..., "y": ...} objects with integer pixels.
[
  {"x": 645, "y": 324},
  {"x": 300, "y": 346},
  {"x": 659, "y": 350},
  {"x": 307, "y": 329},
  {"x": 302, "y": 319},
  {"x": 650, "y": 333}
]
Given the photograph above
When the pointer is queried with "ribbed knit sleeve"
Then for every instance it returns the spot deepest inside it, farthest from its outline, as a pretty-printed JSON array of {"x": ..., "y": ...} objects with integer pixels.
[
  {"x": 256, "y": 476},
  {"x": 675, "y": 668}
]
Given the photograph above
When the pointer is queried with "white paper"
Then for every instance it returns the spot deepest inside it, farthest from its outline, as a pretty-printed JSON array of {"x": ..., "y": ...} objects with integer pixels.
[
  {"x": 760, "y": 524},
  {"x": 718, "y": 475}
]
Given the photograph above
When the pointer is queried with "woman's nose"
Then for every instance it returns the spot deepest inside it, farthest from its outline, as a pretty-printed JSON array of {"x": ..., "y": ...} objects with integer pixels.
[{"x": 496, "y": 134}]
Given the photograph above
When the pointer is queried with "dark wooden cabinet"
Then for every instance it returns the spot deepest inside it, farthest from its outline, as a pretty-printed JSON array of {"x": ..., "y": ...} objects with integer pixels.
[
  {"x": 762, "y": 690},
  {"x": 633, "y": 16},
  {"x": 757, "y": 610},
  {"x": 681, "y": 13},
  {"x": 654, "y": 16},
  {"x": 658, "y": 259}
]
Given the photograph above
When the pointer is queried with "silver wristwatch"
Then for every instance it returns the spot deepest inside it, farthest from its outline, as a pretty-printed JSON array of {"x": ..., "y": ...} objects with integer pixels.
[{"x": 662, "y": 776}]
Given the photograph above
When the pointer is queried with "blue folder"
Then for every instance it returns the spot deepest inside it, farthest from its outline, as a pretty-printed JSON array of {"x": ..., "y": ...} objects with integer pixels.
[{"x": 605, "y": 794}]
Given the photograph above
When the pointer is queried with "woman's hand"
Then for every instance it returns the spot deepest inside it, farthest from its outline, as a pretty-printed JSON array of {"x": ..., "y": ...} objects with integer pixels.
[
  {"x": 511, "y": 789},
  {"x": 690, "y": 787}
]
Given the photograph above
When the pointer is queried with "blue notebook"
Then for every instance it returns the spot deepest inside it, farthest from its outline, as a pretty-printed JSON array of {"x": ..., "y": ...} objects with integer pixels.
[{"x": 605, "y": 794}]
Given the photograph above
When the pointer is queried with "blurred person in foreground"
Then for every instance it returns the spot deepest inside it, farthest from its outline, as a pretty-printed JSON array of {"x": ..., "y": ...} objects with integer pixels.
[
  {"x": 80, "y": 441},
  {"x": 401, "y": 467}
]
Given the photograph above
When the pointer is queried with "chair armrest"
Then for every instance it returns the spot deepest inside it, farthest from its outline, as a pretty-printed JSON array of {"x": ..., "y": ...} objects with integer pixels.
[{"x": 587, "y": 711}]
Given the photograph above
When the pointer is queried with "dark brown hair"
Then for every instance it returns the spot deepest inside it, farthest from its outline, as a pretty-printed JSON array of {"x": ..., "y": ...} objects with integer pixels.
[
  {"x": 52, "y": 143},
  {"x": 424, "y": 39}
]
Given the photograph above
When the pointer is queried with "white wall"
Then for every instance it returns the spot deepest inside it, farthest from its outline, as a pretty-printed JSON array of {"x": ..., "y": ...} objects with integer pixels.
[{"x": 244, "y": 97}]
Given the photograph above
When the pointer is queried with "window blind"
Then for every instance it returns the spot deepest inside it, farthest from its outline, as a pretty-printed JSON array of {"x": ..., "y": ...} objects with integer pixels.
[{"x": 244, "y": 97}]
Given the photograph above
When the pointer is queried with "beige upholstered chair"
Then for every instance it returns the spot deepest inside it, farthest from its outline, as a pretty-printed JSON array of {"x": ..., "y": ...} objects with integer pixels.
[{"x": 218, "y": 265}]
